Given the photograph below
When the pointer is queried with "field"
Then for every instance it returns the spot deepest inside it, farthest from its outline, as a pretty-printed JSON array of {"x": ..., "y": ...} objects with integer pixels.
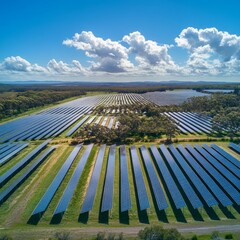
[{"x": 179, "y": 202}]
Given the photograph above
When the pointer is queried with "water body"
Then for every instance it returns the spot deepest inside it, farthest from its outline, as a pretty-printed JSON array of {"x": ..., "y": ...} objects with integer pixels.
[
  {"x": 175, "y": 97},
  {"x": 218, "y": 90}
]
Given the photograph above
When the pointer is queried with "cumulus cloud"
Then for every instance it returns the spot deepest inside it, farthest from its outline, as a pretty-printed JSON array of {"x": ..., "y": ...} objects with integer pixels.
[
  {"x": 147, "y": 51},
  {"x": 64, "y": 68},
  {"x": 19, "y": 64},
  {"x": 111, "y": 55},
  {"x": 213, "y": 51}
]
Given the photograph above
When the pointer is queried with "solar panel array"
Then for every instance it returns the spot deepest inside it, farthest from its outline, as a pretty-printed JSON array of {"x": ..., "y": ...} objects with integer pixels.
[
  {"x": 9, "y": 153},
  {"x": 24, "y": 161},
  {"x": 125, "y": 202},
  {"x": 139, "y": 181},
  {"x": 193, "y": 123},
  {"x": 47, "y": 197},
  {"x": 209, "y": 175},
  {"x": 156, "y": 186},
  {"x": 5, "y": 194},
  {"x": 186, "y": 187},
  {"x": 107, "y": 197},
  {"x": 92, "y": 188},
  {"x": 235, "y": 147},
  {"x": 72, "y": 184},
  {"x": 193, "y": 177}
]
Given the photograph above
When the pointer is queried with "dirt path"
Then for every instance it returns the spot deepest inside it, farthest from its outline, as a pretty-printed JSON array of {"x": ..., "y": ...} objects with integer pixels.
[{"x": 77, "y": 233}]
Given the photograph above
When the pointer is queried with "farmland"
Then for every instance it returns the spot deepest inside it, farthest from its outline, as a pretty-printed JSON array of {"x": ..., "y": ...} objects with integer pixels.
[{"x": 48, "y": 182}]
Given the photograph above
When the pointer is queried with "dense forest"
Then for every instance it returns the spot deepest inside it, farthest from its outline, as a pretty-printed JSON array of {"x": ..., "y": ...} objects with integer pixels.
[{"x": 14, "y": 103}]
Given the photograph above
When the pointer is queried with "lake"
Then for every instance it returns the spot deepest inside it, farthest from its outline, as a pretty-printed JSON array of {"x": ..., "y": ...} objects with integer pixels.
[{"x": 175, "y": 97}]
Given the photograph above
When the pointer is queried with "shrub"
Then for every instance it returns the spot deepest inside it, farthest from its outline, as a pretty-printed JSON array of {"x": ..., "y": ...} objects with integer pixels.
[
  {"x": 62, "y": 235},
  {"x": 100, "y": 236},
  {"x": 194, "y": 237},
  {"x": 229, "y": 236}
]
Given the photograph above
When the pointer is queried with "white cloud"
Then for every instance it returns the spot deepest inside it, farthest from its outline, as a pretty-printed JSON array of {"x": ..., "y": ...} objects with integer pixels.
[
  {"x": 111, "y": 56},
  {"x": 19, "y": 64},
  {"x": 211, "y": 51},
  {"x": 147, "y": 52},
  {"x": 64, "y": 68}
]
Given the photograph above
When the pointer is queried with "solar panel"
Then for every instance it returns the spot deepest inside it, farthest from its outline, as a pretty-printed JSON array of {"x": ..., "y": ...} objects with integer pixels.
[
  {"x": 222, "y": 197},
  {"x": 186, "y": 187},
  {"x": 209, "y": 182},
  {"x": 47, "y": 197},
  {"x": 79, "y": 124},
  {"x": 92, "y": 188},
  {"x": 222, "y": 160},
  {"x": 226, "y": 185},
  {"x": 6, "y": 193},
  {"x": 224, "y": 171},
  {"x": 12, "y": 171},
  {"x": 69, "y": 190},
  {"x": 235, "y": 147},
  {"x": 139, "y": 181},
  {"x": 12, "y": 153},
  {"x": 170, "y": 183},
  {"x": 228, "y": 156},
  {"x": 198, "y": 184},
  {"x": 156, "y": 186},
  {"x": 109, "y": 181},
  {"x": 124, "y": 181}
]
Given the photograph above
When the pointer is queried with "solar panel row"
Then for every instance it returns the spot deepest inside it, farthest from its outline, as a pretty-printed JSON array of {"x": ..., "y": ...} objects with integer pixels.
[
  {"x": 107, "y": 196},
  {"x": 235, "y": 147},
  {"x": 92, "y": 188},
  {"x": 72, "y": 184},
  {"x": 6, "y": 193},
  {"x": 156, "y": 186},
  {"x": 13, "y": 170},
  {"x": 139, "y": 181},
  {"x": 170, "y": 183},
  {"x": 125, "y": 204},
  {"x": 186, "y": 187},
  {"x": 47, "y": 197},
  {"x": 193, "y": 177}
]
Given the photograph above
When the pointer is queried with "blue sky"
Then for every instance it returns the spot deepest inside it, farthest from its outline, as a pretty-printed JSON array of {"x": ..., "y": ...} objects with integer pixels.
[{"x": 120, "y": 40}]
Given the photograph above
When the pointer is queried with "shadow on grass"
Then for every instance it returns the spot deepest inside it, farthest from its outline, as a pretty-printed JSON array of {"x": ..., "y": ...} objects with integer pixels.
[
  {"x": 227, "y": 212},
  {"x": 103, "y": 217},
  {"x": 57, "y": 218},
  {"x": 236, "y": 207},
  {"x": 124, "y": 217},
  {"x": 83, "y": 217},
  {"x": 142, "y": 215},
  {"x": 34, "y": 219}
]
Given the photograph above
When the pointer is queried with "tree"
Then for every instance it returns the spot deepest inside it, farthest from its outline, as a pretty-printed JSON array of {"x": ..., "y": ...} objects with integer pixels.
[
  {"x": 159, "y": 233},
  {"x": 228, "y": 123}
]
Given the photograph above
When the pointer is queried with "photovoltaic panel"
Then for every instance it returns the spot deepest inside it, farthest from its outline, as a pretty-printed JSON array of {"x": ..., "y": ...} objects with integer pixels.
[
  {"x": 47, "y": 197},
  {"x": 72, "y": 184},
  {"x": 226, "y": 185},
  {"x": 235, "y": 147},
  {"x": 139, "y": 181},
  {"x": 199, "y": 185},
  {"x": 223, "y": 160},
  {"x": 124, "y": 181},
  {"x": 11, "y": 154},
  {"x": 107, "y": 197},
  {"x": 156, "y": 186},
  {"x": 92, "y": 188},
  {"x": 12, "y": 171},
  {"x": 224, "y": 171},
  {"x": 171, "y": 185},
  {"x": 73, "y": 129},
  {"x": 210, "y": 183},
  {"x": 228, "y": 156},
  {"x": 6, "y": 193},
  {"x": 186, "y": 187}
]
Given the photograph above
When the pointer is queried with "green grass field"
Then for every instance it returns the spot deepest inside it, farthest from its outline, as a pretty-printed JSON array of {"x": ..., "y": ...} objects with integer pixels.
[{"x": 16, "y": 211}]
